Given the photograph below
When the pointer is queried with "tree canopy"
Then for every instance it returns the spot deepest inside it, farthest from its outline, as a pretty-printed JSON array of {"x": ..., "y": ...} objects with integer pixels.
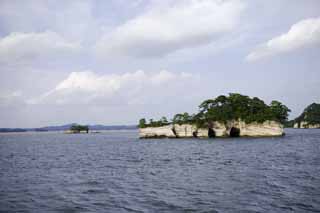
[
  {"x": 232, "y": 107},
  {"x": 237, "y": 106},
  {"x": 153, "y": 123},
  {"x": 79, "y": 128},
  {"x": 311, "y": 114}
]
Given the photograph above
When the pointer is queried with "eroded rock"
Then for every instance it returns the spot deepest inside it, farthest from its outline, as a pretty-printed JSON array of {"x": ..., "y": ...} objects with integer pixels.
[{"x": 232, "y": 128}]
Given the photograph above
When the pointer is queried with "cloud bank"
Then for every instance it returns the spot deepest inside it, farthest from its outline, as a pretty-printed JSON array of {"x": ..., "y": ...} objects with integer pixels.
[
  {"x": 138, "y": 87},
  {"x": 165, "y": 29},
  {"x": 41, "y": 42},
  {"x": 29, "y": 47},
  {"x": 302, "y": 34}
]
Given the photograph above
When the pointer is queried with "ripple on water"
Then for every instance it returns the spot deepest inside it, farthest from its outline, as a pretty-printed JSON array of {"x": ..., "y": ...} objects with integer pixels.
[{"x": 116, "y": 172}]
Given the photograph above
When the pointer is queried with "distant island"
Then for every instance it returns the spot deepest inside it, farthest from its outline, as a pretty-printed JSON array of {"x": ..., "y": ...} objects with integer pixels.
[
  {"x": 76, "y": 128},
  {"x": 68, "y": 126},
  {"x": 225, "y": 116},
  {"x": 309, "y": 118}
]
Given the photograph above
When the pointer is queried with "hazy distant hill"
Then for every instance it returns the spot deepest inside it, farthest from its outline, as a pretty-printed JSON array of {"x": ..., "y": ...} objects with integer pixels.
[
  {"x": 12, "y": 130},
  {"x": 67, "y": 126}
]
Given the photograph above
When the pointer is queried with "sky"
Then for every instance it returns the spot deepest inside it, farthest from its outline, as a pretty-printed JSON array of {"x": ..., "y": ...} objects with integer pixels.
[{"x": 114, "y": 62}]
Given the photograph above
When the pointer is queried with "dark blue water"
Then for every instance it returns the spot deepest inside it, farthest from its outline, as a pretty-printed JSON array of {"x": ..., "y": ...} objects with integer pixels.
[{"x": 116, "y": 172}]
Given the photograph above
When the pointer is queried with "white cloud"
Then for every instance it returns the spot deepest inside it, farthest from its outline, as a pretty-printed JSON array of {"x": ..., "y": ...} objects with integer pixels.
[
  {"x": 162, "y": 77},
  {"x": 137, "y": 87},
  {"x": 175, "y": 26},
  {"x": 302, "y": 34},
  {"x": 21, "y": 47}
]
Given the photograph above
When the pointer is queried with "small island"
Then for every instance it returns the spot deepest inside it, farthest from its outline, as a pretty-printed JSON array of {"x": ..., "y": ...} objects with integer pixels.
[
  {"x": 76, "y": 128},
  {"x": 310, "y": 117},
  {"x": 225, "y": 116}
]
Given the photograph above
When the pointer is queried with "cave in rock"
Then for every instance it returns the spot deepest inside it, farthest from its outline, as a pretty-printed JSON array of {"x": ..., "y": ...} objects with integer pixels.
[
  {"x": 234, "y": 132},
  {"x": 211, "y": 133},
  {"x": 195, "y": 134}
]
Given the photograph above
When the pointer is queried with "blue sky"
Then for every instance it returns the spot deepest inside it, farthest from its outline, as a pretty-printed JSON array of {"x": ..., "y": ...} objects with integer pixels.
[{"x": 113, "y": 62}]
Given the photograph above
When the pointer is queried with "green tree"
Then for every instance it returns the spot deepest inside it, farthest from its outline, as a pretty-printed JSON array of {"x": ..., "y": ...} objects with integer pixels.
[
  {"x": 206, "y": 105},
  {"x": 279, "y": 111},
  {"x": 311, "y": 114},
  {"x": 237, "y": 106},
  {"x": 164, "y": 121},
  {"x": 182, "y": 118},
  {"x": 142, "y": 123}
]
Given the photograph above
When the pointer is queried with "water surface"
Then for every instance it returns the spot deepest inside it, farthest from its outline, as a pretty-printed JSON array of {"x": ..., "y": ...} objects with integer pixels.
[{"x": 116, "y": 172}]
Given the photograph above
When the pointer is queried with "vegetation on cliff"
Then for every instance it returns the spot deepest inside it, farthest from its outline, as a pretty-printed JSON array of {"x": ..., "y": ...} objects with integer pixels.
[
  {"x": 228, "y": 108},
  {"x": 289, "y": 124},
  {"x": 162, "y": 122},
  {"x": 310, "y": 115}
]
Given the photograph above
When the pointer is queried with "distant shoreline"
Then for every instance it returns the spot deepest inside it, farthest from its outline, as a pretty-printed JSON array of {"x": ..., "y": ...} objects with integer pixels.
[
  {"x": 94, "y": 132},
  {"x": 67, "y": 127}
]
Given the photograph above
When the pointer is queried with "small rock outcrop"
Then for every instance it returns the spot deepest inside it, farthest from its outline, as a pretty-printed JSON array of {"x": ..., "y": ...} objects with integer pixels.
[{"x": 310, "y": 117}]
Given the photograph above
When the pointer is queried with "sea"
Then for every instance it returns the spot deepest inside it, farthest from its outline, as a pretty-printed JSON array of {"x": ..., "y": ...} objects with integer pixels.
[{"x": 115, "y": 171}]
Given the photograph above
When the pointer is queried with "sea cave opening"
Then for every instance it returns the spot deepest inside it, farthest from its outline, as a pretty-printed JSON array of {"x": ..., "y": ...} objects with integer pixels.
[
  {"x": 211, "y": 133},
  {"x": 195, "y": 134},
  {"x": 234, "y": 132}
]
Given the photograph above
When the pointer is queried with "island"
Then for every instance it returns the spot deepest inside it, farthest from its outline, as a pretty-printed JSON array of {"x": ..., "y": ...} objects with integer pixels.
[
  {"x": 234, "y": 115},
  {"x": 309, "y": 118},
  {"x": 75, "y": 129}
]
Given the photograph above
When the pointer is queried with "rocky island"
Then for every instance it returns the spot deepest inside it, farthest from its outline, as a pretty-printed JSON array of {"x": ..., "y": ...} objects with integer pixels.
[
  {"x": 310, "y": 117},
  {"x": 225, "y": 116}
]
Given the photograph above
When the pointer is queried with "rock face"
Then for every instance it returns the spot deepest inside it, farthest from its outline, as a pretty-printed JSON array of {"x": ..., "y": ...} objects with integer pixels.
[
  {"x": 306, "y": 125},
  {"x": 184, "y": 130},
  {"x": 267, "y": 128},
  {"x": 157, "y": 132},
  {"x": 232, "y": 128}
]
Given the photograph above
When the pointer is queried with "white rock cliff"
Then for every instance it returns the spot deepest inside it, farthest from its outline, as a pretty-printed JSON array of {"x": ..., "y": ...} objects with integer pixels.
[
  {"x": 306, "y": 125},
  {"x": 267, "y": 128}
]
